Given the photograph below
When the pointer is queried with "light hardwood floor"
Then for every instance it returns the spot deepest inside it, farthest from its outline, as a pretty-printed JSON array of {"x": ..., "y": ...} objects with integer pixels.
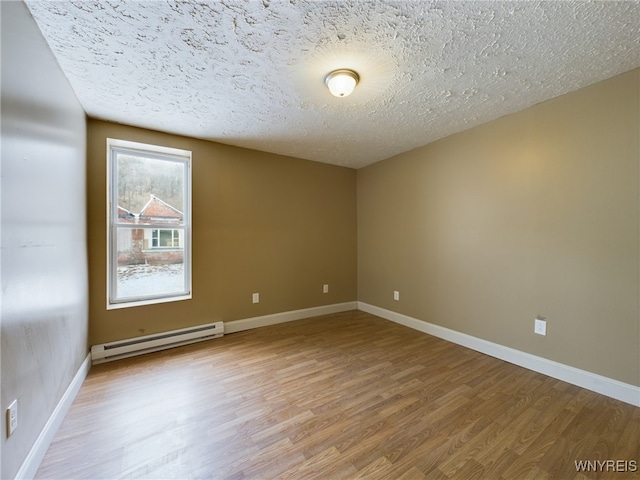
[{"x": 341, "y": 396}]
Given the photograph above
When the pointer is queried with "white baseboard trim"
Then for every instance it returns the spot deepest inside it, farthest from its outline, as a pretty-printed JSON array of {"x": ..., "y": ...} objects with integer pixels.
[
  {"x": 274, "y": 318},
  {"x": 31, "y": 464},
  {"x": 597, "y": 383}
]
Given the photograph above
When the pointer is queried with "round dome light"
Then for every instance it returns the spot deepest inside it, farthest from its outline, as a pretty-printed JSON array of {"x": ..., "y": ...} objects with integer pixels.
[{"x": 341, "y": 82}]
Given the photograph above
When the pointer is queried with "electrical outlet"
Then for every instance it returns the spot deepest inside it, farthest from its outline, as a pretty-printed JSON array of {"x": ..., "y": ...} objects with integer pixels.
[
  {"x": 396, "y": 295},
  {"x": 12, "y": 417},
  {"x": 256, "y": 298},
  {"x": 540, "y": 326},
  {"x": 325, "y": 288}
]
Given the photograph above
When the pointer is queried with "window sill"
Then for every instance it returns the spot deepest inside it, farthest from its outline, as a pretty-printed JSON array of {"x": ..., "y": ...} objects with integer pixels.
[{"x": 148, "y": 301}]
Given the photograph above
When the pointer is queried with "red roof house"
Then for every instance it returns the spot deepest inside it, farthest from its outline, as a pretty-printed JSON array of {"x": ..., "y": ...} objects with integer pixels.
[{"x": 158, "y": 211}]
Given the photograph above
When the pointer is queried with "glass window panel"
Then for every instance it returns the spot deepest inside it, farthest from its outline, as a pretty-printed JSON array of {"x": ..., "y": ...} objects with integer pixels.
[
  {"x": 151, "y": 188},
  {"x": 151, "y": 274}
]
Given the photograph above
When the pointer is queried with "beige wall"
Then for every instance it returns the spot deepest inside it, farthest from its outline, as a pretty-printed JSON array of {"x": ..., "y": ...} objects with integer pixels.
[
  {"x": 536, "y": 213},
  {"x": 263, "y": 223},
  {"x": 44, "y": 261}
]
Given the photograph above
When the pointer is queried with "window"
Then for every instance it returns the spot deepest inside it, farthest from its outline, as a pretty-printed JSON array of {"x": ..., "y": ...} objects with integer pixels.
[
  {"x": 149, "y": 231},
  {"x": 165, "y": 238}
]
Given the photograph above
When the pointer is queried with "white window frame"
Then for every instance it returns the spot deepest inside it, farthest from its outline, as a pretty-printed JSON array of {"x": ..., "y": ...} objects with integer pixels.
[{"x": 115, "y": 146}]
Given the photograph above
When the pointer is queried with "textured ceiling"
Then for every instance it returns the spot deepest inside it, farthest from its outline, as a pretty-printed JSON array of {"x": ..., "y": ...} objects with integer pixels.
[{"x": 251, "y": 73}]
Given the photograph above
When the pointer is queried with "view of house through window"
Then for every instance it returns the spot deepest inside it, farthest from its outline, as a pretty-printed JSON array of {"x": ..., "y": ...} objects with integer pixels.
[{"x": 150, "y": 224}]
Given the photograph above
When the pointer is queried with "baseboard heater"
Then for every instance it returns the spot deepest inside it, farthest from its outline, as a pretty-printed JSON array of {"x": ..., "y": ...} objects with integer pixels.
[{"x": 107, "y": 352}]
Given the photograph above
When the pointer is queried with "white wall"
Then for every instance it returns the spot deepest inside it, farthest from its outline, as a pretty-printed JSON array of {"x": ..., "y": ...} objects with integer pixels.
[{"x": 43, "y": 232}]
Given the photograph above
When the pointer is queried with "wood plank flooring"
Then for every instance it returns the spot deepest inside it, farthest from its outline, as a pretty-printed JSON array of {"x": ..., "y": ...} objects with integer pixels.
[{"x": 341, "y": 396}]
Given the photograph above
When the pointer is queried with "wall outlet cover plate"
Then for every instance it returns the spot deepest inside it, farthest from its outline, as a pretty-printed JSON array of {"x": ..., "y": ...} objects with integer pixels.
[{"x": 540, "y": 327}]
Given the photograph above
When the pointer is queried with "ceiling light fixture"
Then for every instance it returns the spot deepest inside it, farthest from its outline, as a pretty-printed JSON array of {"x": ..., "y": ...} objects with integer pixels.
[{"x": 341, "y": 82}]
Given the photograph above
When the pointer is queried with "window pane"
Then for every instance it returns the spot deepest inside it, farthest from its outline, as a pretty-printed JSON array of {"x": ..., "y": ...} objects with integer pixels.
[
  {"x": 166, "y": 238},
  {"x": 150, "y": 189},
  {"x": 142, "y": 272}
]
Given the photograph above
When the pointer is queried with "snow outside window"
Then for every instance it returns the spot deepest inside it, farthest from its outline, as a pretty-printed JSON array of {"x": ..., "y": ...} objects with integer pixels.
[{"x": 149, "y": 231}]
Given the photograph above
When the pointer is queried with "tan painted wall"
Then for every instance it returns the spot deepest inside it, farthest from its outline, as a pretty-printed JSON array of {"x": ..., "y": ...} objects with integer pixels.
[
  {"x": 45, "y": 300},
  {"x": 536, "y": 213},
  {"x": 261, "y": 223}
]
